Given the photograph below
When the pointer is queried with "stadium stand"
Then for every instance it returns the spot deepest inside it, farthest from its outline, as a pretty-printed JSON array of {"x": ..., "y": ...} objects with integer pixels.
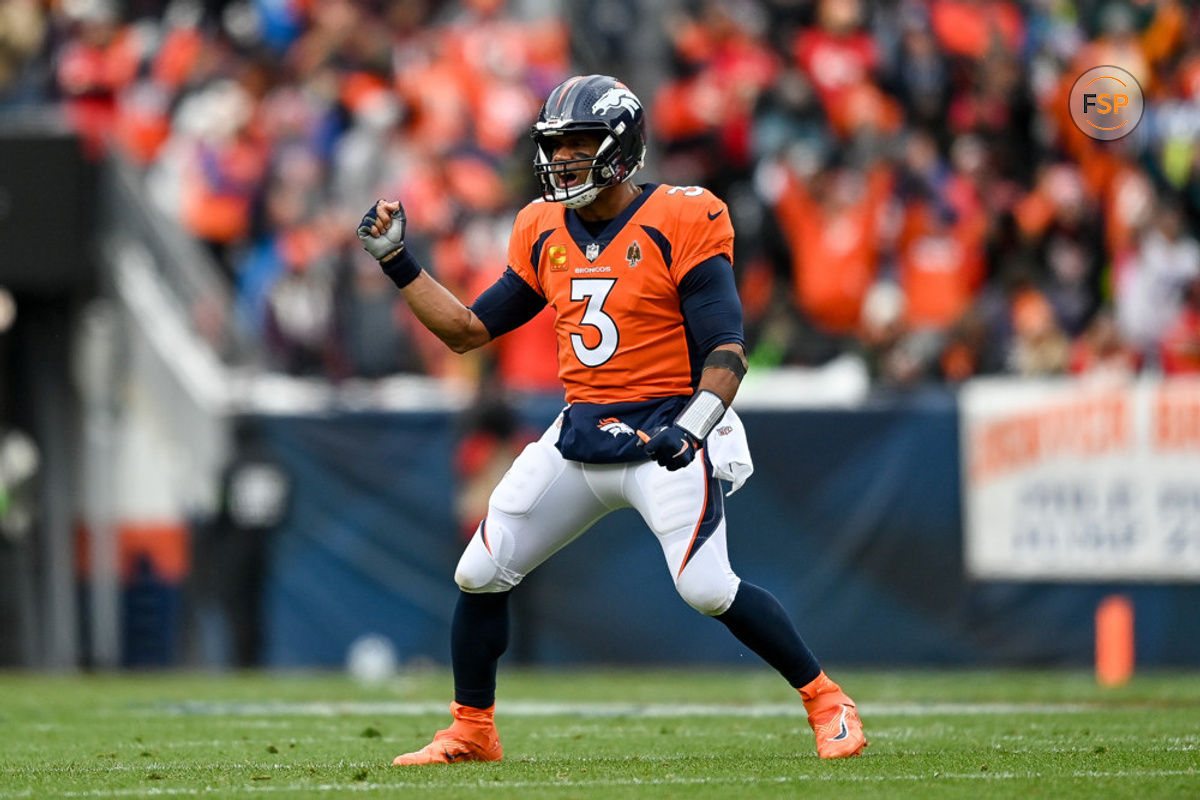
[{"x": 921, "y": 147}]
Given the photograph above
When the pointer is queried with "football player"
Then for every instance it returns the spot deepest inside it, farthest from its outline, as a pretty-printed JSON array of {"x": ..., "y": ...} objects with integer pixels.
[{"x": 650, "y": 345}]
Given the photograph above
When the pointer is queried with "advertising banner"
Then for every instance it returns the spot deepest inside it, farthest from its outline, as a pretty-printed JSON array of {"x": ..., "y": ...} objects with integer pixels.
[{"x": 1081, "y": 480}]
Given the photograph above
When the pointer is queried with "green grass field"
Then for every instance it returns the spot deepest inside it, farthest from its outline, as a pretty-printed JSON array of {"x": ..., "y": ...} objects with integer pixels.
[{"x": 600, "y": 734}]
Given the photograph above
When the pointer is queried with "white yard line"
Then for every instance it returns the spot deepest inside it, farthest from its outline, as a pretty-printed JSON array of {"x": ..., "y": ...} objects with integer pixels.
[
  {"x": 160, "y": 766},
  {"x": 365, "y": 787},
  {"x": 537, "y": 708}
]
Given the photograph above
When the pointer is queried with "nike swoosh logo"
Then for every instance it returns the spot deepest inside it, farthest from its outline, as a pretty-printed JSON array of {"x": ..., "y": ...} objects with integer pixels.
[
  {"x": 456, "y": 756},
  {"x": 712, "y": 216},
  {"x": 845, "y": 731}
]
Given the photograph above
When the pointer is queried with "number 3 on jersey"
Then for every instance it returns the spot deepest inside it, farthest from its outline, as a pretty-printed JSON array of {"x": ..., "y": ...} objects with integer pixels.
[{"x": 595, "y": 292}]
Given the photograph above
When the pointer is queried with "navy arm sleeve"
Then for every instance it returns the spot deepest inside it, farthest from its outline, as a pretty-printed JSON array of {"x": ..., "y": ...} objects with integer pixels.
[
  {"x": 507, "y": 304},
  {"x": 711, "y": 308}
]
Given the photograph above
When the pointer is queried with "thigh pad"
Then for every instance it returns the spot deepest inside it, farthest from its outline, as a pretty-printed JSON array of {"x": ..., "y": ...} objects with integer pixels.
[{"x": 527, "y": 479}]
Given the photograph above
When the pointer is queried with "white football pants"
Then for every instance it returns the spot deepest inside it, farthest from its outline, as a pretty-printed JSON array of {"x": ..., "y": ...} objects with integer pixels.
[{"x": 544, "y": 502}]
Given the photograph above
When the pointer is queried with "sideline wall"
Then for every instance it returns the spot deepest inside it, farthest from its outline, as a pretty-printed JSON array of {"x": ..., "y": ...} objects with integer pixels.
[{"x": 853, "y": 518}]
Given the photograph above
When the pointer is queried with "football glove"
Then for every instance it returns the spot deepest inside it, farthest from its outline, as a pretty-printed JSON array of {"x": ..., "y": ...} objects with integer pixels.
[
  {"x": 391, "y": 240},
  {"x": 671, "y": 446}
]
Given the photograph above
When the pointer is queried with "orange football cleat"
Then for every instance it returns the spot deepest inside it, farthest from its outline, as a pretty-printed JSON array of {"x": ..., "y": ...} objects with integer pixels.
[
  {"x": 471, "y": 737},
  {"x": 833, "y": 718}
]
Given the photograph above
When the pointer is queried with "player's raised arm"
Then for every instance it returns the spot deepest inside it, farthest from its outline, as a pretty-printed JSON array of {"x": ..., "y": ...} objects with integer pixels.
[{"x": 382, "y": 235}]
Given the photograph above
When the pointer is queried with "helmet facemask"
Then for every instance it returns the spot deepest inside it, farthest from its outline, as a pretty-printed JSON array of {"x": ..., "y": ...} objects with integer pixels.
[{"x": 603, "y": 169}]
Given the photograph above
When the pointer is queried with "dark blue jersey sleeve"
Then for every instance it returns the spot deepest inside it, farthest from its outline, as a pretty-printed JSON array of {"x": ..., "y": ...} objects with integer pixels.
[
  {"x": 711, "y": 308},
  {"x": 507, "y": 304}
]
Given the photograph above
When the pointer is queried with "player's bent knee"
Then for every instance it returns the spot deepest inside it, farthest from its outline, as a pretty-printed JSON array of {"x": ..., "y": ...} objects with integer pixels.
[
  {"x": 474, "y": 576},
  {"x": 709, "y": 597},
  {"x": 478, "y": 571}
]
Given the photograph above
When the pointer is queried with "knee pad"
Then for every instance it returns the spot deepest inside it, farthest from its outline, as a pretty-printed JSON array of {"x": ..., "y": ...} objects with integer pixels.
[
  {"x": 479, "y": 570},
  {"x": 710, "y": 594}
]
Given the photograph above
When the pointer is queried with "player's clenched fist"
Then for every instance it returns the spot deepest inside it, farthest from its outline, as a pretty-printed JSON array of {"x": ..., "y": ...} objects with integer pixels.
[
  {"x": 671, "y": 446},
  {"x": 382, "y": 235},
  {"x": 382, "y": 229}
]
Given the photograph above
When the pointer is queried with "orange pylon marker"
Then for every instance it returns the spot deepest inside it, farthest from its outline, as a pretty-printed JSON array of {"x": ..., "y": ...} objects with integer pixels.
[{"x": 1114, "y": 640}]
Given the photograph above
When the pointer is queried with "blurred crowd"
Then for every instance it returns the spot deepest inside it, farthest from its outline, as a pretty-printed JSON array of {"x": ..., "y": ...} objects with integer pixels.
[{"x": 905, "y": 180}]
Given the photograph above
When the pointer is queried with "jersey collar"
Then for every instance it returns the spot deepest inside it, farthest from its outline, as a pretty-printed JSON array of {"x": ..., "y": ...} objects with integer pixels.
[{"x": 582, "y": 238}]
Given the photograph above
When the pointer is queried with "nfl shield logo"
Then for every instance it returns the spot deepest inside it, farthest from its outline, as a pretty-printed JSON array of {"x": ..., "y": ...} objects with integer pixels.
[{"x": 592, "y": 251}]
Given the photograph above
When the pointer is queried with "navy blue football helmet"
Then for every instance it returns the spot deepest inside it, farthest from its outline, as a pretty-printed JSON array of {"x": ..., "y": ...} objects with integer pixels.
[{"x": 589, "y": 104}]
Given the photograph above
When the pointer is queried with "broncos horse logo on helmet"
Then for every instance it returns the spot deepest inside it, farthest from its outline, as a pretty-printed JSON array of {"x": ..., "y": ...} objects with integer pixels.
[
  {"x": 595, "y": 104},
  {"x": 617, "y": 97}
]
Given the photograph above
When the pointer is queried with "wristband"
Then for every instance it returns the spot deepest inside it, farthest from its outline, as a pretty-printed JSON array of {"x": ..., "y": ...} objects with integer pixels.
[
  {"x": 701, "y": 414},
  {"x": 726, "y": 359},
  {"x": 402, "y": 268}
]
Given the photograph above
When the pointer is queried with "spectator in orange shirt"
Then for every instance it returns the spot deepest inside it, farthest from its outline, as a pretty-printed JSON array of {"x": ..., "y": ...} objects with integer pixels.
[
  {"x": 832, "y": 232},
  {"x": 213, "y": 168},
  {"x": 940, "y": 264}
]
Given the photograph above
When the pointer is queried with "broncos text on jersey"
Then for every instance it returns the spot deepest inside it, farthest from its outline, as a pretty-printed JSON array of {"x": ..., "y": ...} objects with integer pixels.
[{"x": 619, "y": 330}]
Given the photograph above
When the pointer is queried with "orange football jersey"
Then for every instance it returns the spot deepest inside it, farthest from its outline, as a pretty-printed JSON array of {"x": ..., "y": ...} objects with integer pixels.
[{"x": 618, "y": 325}]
